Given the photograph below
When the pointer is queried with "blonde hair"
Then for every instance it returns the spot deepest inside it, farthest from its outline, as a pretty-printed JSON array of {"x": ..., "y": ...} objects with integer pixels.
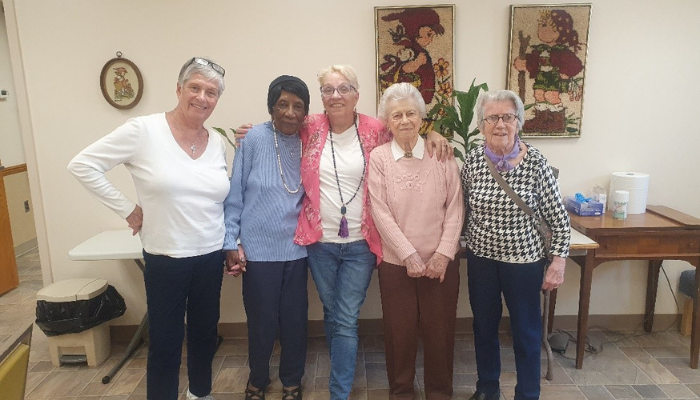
[{"x": 347, "y": 71}]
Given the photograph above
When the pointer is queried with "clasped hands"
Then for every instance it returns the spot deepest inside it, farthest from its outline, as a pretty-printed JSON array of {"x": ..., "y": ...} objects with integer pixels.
[
  {"x": 434, "y": 268},
  {"x": 235, "y": 261}
]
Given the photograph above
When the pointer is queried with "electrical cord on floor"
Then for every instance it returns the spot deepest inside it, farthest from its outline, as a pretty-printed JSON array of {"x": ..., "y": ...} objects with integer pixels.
[{"x": 590, "y": 349}]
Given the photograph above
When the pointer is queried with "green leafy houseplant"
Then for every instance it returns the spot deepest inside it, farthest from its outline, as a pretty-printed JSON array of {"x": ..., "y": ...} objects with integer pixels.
[
  {"x": 456, "y": 119},
  {"x": 222, "y": 131}
]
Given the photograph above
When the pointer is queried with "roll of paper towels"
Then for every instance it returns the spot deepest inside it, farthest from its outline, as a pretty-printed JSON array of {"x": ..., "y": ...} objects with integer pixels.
[{"x": 637, "y": 184}]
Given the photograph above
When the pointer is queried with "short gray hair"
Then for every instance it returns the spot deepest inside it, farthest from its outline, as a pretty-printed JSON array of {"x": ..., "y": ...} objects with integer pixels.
[
  {"x": 347, "y": 71},
  {"x": 190, "y": 68},
  {"x": 398, "y": 92},
  {"x": 496, "y": 96}
]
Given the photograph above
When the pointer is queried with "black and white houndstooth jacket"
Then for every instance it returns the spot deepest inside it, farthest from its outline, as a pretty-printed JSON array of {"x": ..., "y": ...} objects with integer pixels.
[{"x": 496, "y": 227}]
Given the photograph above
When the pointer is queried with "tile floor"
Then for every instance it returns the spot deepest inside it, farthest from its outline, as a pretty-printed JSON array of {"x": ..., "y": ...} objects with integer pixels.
[{"x": 649, "y": 366}]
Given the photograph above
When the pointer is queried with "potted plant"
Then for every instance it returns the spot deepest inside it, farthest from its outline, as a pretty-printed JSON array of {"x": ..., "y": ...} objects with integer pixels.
[
  {"x": 222, "y": 131},
  {"x": 456, "y": 119}
]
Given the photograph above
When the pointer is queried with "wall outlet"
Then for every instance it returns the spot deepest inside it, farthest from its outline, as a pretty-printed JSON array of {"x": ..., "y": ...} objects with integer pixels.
[
  {"x": 4, "y": 93},
  {"x": 26, "y": 206}
]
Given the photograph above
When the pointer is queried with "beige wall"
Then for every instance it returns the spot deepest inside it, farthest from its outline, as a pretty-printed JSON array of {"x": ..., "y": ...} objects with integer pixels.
[
  {"x": 17, "y": 189},
  {"x": 11, "y": 151},
  {"x": 640, "y": 99}
]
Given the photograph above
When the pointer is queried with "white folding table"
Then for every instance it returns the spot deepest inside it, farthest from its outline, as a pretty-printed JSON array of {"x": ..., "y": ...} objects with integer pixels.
[{"x": 115, "y": 245}]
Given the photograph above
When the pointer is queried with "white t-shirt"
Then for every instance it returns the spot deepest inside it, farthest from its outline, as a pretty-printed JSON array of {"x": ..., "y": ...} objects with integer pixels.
[
  {"x": 182, "y": 198},
  {"x": 350, "y": 164}
]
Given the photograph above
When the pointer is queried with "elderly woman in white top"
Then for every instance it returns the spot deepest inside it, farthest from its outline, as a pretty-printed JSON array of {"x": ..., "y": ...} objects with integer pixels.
[
  {"x": 418, "y": 208},
  {"x": 179, "y": 170}
]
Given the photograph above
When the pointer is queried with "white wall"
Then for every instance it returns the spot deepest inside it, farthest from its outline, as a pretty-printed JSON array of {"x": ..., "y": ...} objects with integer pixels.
[
  {"x": 640, "y": 104},
  {"x": 11, "y": 151}
]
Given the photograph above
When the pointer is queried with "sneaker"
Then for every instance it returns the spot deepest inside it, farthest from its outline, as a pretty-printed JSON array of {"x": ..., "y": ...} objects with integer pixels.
[{"x": 190, "y": 396}]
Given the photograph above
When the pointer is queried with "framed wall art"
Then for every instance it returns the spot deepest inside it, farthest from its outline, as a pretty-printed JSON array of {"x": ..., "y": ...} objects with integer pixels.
[
  {"x": 547, "y": 66},
  {"x": 121, "y": 83},
  {"x": 416, "y": 44}
]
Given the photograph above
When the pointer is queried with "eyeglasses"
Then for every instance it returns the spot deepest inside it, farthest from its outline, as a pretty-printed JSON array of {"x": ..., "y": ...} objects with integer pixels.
[
  {"x": 507, "y": 118},
  {"x": 343, "y": 90},
  {"x": 203, "y": 61}
]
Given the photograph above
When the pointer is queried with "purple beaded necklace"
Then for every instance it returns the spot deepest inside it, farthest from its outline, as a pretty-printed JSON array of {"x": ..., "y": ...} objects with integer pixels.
[{"x": 343, "y": 232}]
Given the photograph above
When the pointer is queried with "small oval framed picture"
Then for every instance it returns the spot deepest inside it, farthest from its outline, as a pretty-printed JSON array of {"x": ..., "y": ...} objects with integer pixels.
[{"x": 121, "y": 83}]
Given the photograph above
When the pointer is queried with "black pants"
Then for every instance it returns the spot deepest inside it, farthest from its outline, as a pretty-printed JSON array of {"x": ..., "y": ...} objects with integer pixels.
[
  {"x": 175, "y": 286},
  {"x": 276, "y": 300}
]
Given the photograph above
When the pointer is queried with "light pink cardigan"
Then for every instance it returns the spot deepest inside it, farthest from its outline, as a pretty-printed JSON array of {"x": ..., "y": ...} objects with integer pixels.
[{"x": 417, "y": 205}]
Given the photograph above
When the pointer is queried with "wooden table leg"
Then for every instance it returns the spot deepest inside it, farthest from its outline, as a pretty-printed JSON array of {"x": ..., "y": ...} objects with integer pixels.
[
  {"x": 652, "y": 288},
  {"x": 584, "y": 302}
]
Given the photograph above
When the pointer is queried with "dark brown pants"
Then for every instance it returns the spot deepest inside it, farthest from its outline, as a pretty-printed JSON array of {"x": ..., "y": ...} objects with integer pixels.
[{"x": 413, "y": 305}]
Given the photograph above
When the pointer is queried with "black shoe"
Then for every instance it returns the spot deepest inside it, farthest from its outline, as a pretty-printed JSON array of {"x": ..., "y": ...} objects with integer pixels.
[
  {"x": 292, "y": 394},
  {"x": 254, "y": 394},
  {"x": 484, "y": 396}
]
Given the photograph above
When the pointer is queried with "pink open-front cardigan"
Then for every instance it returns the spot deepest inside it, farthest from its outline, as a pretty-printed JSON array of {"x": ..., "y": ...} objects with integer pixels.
[{"x": 313, "y": 137}]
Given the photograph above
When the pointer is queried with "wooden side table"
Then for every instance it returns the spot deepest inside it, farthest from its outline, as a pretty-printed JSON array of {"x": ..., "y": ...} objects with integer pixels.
[{"x": 661, "y": 233}]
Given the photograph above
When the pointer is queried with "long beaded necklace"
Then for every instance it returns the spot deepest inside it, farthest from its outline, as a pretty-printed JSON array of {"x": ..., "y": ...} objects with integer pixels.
[
  {"x": 343, "y": 232},
  {"x": 279, "y": 163}
]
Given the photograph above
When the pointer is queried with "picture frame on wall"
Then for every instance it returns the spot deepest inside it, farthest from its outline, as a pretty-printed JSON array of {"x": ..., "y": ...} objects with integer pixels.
[
  {"x": 121, "y": 83},
  {"x": 415, "y": 44},
  {"x": 547, "y": 66}
]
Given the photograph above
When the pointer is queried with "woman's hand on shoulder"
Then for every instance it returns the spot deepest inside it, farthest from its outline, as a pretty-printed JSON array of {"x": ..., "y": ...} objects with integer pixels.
[
  {"x": 555, "y": 274},
  {"x": 235, "y": 261},
  {"x": 438, "y": 145},
  {"x": 415, "y": 268},
  {"x": 436, "y": 267},
  {"x": 135, "y": 220},
  {"x": 241, "y": 131}
]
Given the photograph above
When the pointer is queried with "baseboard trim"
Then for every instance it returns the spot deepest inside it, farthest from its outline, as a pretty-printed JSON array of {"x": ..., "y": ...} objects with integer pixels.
[
  {"x": 124, "y": 333},
  {"x": 26, "y": 247}
]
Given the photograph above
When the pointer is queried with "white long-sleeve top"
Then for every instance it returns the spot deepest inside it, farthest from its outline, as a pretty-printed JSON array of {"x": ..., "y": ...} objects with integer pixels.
[{"x": 182, "y": 199}]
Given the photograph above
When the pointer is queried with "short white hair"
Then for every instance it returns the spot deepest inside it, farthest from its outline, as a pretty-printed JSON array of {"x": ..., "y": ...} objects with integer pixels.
[
  {"x": 494, "y": 96},
  {"x": 398, "y": 92},
  {"x": 190, "y": 68}
]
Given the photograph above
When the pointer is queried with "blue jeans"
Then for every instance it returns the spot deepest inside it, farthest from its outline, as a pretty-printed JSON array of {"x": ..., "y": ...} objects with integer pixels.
[
  {"x": 342, "y": 273},
  {"x": 521, "y": 287}
]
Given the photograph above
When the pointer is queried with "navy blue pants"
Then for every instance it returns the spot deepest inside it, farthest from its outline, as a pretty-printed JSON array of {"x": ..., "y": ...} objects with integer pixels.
[
  {"x": 521, "y": 286},
  {"x": 175, "y": 286},
  {"x": 276, "y": 302}
]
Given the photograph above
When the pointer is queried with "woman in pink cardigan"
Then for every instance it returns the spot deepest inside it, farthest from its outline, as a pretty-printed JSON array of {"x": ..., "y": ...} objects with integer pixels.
[{"x": 417, "y": 207}]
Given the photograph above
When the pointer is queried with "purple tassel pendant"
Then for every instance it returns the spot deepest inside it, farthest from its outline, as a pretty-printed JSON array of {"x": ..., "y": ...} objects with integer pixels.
[{"x": 343, "y": 231}]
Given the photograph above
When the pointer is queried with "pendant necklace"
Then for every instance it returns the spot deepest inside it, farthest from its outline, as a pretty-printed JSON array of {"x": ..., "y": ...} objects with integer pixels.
[
  {"x": 279, "y": 163},
  {"x": 407, "y": 153},
  {"x": 194, "y": 144},
  {"x": 343, "y": 232}
]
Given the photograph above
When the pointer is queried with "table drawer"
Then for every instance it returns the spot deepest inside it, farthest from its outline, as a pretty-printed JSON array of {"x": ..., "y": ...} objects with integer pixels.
[{"x": 645, "y": 244}]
